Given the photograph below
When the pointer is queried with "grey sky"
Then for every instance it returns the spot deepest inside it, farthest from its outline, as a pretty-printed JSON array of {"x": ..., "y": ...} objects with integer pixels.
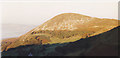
[{"x": 37, "y": 13}]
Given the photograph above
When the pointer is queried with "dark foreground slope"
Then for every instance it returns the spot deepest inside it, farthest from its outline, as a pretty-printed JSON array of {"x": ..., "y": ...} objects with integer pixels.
[{"x": 105, "y": 44}]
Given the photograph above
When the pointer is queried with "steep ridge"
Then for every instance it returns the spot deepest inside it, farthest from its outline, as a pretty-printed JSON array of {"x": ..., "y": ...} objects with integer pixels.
[{"x": 66, "y": 27}]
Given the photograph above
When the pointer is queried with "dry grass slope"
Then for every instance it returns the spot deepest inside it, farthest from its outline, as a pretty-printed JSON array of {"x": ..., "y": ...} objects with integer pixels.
[{"x": 67, "y": 27}]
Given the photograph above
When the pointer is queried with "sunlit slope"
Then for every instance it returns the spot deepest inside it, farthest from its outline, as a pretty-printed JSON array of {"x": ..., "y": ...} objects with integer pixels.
[{"x": 67, "y": 27}]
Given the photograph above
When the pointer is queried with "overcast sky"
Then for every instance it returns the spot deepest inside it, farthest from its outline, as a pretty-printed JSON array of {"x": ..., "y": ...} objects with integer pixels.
[{"x": 37, "y": 13}]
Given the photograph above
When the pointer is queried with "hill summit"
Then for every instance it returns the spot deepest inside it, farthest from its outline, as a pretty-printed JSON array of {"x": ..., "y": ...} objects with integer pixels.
[
  {"x": 72, "y": 21},
  {"x": 66, "y": 21}
]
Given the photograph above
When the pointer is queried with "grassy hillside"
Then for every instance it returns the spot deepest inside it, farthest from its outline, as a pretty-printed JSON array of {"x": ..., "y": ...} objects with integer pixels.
[
  {"x": 64, "y": 28},
  {"x": 104, "y": 44}
]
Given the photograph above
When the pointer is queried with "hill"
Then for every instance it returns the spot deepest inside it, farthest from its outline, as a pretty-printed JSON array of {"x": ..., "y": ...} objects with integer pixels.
[{"x": 67, "y": 27}]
